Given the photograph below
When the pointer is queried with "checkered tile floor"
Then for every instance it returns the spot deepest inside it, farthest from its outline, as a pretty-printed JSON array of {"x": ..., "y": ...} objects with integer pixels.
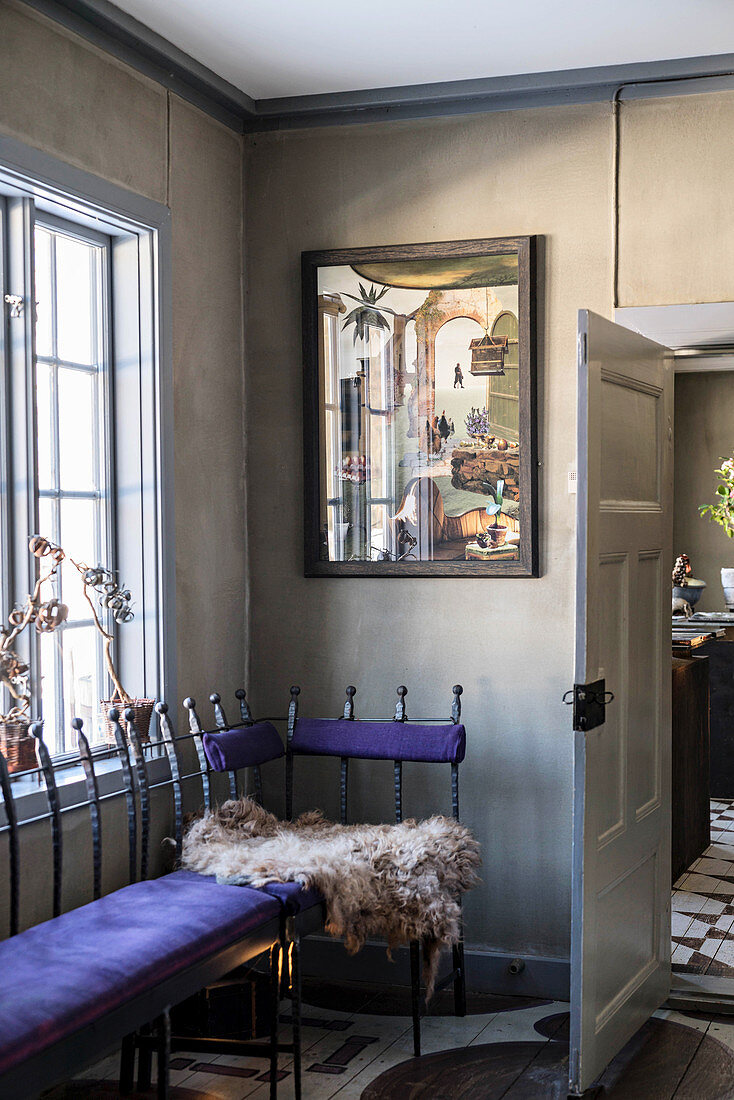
[{"x": 703, "y": 904}]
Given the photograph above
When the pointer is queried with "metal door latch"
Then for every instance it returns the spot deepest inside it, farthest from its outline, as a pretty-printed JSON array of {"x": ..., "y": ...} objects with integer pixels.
[
  {"x": 589, "y": 701},
  {"x": 15, "y": 301}
]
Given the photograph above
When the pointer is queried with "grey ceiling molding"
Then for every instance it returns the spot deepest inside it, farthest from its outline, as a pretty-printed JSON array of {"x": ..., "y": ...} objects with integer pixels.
[{"x": 126, "y": 38}]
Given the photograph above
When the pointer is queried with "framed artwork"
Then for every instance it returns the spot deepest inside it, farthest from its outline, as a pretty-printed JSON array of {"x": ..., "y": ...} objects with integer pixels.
[{"x": 420, "y": 410}]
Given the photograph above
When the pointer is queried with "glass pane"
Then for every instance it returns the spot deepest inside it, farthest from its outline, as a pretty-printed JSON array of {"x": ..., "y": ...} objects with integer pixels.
[
  {"x": 74, "y": 297},
  {"x": 81, "y": 691},
  {"x": 46, "y": 519},
  {"x": 44, "y": 425},
  {"x": 44, "y": 344},
  {"x": 77, "y": 450},
  {"x": 52, "y": 729},
  {"x": 78, "y": 538}
]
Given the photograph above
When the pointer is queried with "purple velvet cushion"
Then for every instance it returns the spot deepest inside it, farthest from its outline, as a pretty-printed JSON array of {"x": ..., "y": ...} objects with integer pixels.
[
  {"x": 242, "y": 747},
  {"x": 379, "y": 740},
  {"x": 292, "y": 896},
  {"x": 62, "y": 975}
]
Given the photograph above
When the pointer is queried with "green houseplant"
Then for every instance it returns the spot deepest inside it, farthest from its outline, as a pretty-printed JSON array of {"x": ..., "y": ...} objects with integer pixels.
[{"x": 722, "y": 513}]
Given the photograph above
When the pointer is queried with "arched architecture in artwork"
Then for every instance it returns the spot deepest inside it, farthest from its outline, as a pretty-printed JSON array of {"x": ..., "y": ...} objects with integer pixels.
[{"x": 441, "y": 306}]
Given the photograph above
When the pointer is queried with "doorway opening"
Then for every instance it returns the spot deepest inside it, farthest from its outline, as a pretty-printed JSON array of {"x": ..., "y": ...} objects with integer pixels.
[{"x": 702, "y": 899}]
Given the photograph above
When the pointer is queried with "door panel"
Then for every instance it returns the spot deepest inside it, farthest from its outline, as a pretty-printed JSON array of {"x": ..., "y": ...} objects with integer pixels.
[{"x": 620, "y": 950}]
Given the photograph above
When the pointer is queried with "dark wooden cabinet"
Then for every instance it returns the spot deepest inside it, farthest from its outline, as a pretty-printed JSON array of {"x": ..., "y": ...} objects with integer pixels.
[
  {"x": 720, "y": 655},
  {"x": 690, "y": 781}
]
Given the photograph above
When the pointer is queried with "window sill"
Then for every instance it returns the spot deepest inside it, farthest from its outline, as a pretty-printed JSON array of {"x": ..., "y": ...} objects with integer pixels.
[{"x": 29, "y": 793}]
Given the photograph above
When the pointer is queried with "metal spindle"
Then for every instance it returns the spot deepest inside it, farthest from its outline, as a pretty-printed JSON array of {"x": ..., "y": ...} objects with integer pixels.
[
  {"x": 219, "y": 716},
  {"x": 456, "y": 704},
  {"x": 292, "y": 718},
  {"x": 455, "y": 791},
  {"x": 221, "y": 719},
  {"x": 141, "y": 771},
  {"x": 398, "y": 785},
  {"x": 90, "y": 779},
  {"x": 54, "y": 808},
  {"x": 257, "y": 776},
  {"x": 14, "y": 848},
  {"x": 349, "y": 705},
  {"x": 113, "y": 715},
  {"x": 401, "y": 713},
  {"x": 343, "y": 788},
  {"x": 169, "y": 743},
  {"x": 245, "y": 712},
  {"x": 197, "y": 731}
]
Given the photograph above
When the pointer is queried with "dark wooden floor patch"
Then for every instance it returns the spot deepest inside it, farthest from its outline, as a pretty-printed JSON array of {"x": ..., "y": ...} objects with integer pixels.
[
  {"x": 662, "y": 1060},
  {"x": 103, "y": 1090},
  {"x": 380, "y": 1000}
]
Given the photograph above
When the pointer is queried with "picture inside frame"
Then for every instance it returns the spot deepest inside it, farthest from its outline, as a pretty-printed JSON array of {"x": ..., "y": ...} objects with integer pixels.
[{"x": 420, "y": 434}]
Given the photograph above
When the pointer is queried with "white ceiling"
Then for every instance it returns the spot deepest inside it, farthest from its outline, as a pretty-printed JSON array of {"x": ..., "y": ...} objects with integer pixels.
[{"x": 299, "y": 47}]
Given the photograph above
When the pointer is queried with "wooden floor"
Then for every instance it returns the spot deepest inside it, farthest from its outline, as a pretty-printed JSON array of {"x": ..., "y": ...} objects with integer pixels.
[{"x": 505, "y": 1048}]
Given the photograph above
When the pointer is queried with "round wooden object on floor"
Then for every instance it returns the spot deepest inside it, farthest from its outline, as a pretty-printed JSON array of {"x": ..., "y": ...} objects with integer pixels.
[
  {"x": 663, "y": 1059},
  {"x": 380, "y": 1000}
]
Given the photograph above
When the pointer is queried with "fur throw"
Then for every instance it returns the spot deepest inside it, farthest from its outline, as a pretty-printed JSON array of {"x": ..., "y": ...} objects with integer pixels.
[{"x": 395, "y": 882}]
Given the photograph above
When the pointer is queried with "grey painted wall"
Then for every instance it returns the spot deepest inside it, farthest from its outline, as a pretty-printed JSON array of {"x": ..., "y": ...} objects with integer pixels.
[
  {"x": 509, "y": 642},
  {"x": 704, "y": 433}
]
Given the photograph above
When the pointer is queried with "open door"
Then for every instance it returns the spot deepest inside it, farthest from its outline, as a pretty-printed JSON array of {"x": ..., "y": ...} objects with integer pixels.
[{"x": 620, "y": 938}]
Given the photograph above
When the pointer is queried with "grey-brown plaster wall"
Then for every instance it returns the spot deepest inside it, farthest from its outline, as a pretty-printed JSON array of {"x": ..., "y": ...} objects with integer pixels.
[{"x": 509, "y": 642}]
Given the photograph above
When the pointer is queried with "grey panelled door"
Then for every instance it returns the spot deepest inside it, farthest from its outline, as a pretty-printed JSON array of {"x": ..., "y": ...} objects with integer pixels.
[{"x": 620, "y": 938}]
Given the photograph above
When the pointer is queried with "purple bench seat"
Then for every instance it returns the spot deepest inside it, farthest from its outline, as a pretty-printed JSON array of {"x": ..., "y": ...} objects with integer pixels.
[{"x": 65, "y": 975}]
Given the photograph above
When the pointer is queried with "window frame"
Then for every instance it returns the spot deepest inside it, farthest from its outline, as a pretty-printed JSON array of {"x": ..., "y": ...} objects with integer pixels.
[{"x": 139, "y": 230}]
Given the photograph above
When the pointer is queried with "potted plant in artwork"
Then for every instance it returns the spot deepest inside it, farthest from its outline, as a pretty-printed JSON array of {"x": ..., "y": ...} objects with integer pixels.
[
  {"x": 17, "y": 745},
  {"x": 104, "y": 594},
  {"x": 722, "y": 512},
  {"x": 496, "y": 535}
]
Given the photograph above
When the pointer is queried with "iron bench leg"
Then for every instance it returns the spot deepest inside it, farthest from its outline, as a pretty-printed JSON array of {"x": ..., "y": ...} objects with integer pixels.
[
  {"x": 459, "y": 980},
  {"x": 163, "y": 1050},
  {"x": 275, "y": 960},
  {"x": 415, "y": 995},
  {"x": 127, "y": 1065},
  {"x": 145, "y": 1059},
  {"x": 294, "y": 957}
]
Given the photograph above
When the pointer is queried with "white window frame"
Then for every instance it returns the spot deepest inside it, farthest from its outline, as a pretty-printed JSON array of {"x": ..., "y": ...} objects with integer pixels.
[{"x": 141, "y": 361}]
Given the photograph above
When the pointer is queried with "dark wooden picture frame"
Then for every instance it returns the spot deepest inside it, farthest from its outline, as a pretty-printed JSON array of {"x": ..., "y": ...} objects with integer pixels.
[{"x": 459, "y": 254}]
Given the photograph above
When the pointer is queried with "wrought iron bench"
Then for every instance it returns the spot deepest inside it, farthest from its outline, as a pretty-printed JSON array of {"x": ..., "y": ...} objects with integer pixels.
[
  {"x": 229, "y": 748},
  {"x": 84, "y": 980}
]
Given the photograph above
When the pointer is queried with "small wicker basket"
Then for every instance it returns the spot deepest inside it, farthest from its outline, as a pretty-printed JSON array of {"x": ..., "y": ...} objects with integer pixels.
[
  {"x": 17, "y": 745},
  {"x": 142, "y": 708}
]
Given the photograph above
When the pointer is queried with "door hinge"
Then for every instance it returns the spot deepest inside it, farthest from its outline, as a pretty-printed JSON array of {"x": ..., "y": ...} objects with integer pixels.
[
  {"x": 589, "y": 701},
  {"x": 15, "y": 301}
]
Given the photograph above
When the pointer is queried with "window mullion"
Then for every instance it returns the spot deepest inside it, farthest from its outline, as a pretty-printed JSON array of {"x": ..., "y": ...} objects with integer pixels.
[{"x": 22, "y": 497}]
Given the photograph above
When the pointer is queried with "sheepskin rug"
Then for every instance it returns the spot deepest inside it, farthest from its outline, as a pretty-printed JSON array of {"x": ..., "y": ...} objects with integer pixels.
[{"x": 394, "y": 882}]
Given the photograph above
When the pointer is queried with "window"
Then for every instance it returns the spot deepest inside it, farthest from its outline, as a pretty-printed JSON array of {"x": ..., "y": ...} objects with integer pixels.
[
  {"x": 73, "y": 456},
  {"x": 84, "y": 442}
]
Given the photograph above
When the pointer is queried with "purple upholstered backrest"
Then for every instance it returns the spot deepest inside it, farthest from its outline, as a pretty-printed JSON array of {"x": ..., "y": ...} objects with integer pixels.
[
  {"x": 242, "y": 747},
  {"x": 379, "y": 740}
]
